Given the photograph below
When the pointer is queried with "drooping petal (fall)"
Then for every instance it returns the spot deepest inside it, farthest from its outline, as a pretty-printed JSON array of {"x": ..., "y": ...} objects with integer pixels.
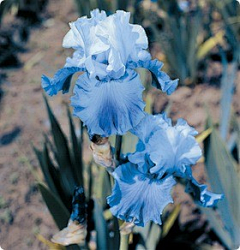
[
  {"x": 139, "y": 197},
  {"x": 199, "y": 192},
  {"x": 60, "y": 81},
  {"x": 161, "y": 80},
  {"x": 201, "y": 195},
  {"x": 109, "y": 107}
]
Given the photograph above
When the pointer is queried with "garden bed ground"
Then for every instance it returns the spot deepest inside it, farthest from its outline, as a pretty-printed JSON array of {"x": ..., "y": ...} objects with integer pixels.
[{"x": 23, "y": 119}]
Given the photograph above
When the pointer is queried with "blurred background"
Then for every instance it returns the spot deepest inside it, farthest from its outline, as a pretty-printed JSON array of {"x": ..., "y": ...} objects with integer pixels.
[{"x": 198, "y": 41}]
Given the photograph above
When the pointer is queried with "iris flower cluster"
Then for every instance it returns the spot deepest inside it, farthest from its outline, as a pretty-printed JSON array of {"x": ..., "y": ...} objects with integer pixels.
[
  {"x": 108, "y": 99},
  {"x": 108, "y": 96}
]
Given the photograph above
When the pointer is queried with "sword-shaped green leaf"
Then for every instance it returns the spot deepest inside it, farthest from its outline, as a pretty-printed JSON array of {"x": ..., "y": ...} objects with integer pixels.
[
  {"x": 57, "y": 209},
  {"x": 100, "y": 226},
  {"x": 76, "y": 152},
  {"x": 221, "y": 170},
  {"x": 62, "y": 153}
]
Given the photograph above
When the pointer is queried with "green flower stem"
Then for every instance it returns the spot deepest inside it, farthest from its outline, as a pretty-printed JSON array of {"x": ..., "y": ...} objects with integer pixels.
[
  {"x": 118, "y": 145},
  {"x": 124, "y": 241}
]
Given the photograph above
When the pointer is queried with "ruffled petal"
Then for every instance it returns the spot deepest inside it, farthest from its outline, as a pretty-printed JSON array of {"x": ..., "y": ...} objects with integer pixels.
[
  {"x": 169, "y": 148},
  {"x": 142, "y": 160},
  {"x": 142, "y": 40},
  {"x": 165, "y": 150},
  {"x": 199, "y": 192},
  {"x": 121, "y": 45},
  {"x": 162, "y": 152},
  {"x": 149, "y": 125},
  {"x": 77, "y": 60},
  {"x": 201, "y": 195},
  {"x": 126, "y": 42},
  {"x": 73, "y": 38},
  {"x": 138, "y": 197},
  {"x": 98, "y": 15},
  {"x": 144, "y": 130},
  {"x": 183, "y": 127},
  {"x": 161, "y": 80},
  {"x": 172, "y": 150},
  {"x": 82, "y": 32},
  {"x": 82, "y": 37},
  {"x": 60, "y": 81},
  {"x": 110, "y": 107}
]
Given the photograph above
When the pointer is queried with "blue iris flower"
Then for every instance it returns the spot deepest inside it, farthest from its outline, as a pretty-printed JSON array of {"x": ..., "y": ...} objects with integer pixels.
[
  {"x": 164, "y": 152},
  {"x": 108, "y": 49}
]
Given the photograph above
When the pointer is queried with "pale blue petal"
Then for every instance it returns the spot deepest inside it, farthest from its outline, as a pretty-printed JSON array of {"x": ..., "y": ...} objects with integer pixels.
[
  {"x": 184, "y": 128},
  {"x": 167, "y": 150},
  {"x": 200, "y": 194},
  {"x": 73, "y": 38},
  {"x": 60, "y": 81},
  {"x": 144, "y": 130},
  {"x": 171, "y": 150},
  {"x": 77, "y": 60},
  {"x": 121, "y": 46},
  {"x": 160, "y": 79},
  {"x": 82, "y": 37},
  {"x": 96, "y": 69},
  {"x": 82, "y": 33},
  {"x": 142, "y": 160},
  {"x": 149, "y": 125},
  {"x": 141, "y": 44},
  {"x": 117, "y": 32},
  {"x": 162, "y": 152},
  {"x": 138, "y": 196},
  {"x": 139, "y": 158},
  {"x": 98, "y": 15},
  {"x": 110, "y": 107},
  {"x": 126, "y": 41}
]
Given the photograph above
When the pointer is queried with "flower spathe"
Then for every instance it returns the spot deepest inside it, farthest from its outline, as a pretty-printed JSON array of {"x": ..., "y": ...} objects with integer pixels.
[
  {"x": 108, "y": 49},
  {"x": 76, "y": 230},
  {"x": 139, "y": 197}
]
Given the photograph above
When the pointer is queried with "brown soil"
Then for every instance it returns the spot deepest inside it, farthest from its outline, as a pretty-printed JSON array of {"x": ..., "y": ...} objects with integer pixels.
[{"x": 22, "y": 210}]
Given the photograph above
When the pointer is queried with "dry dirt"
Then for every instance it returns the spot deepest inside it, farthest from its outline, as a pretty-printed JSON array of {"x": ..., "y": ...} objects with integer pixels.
[{"x": 22, "y": 211}]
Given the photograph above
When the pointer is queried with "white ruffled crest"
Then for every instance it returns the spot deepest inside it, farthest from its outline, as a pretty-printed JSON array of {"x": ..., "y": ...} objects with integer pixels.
[
  {"x": 82, "y": 37},
  {"x": 125, "y": 40}
]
